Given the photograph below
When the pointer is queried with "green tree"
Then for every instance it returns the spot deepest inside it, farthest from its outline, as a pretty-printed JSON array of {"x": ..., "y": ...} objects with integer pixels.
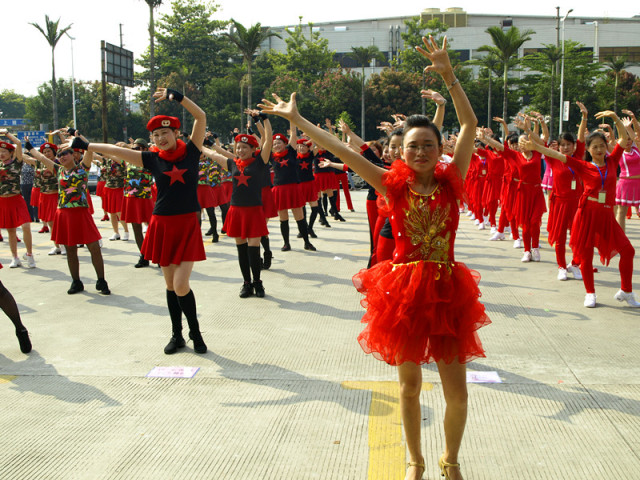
[
  {"x": 12, "y": 104},
  {"x": 363, "y": 56},
  {"x": 247, "y": 41},
  {"x": 505, "y": 47},
  {"x": 153, "y": 4},
  {"x": 53, "y": 34},
  {"x": 333, "y": 94},
  {"x": 617, "y": 65},
  {"x": 546, "y": 61},
  {"x": 409, "y": 59},
  {"x": 490, "y": 64}
]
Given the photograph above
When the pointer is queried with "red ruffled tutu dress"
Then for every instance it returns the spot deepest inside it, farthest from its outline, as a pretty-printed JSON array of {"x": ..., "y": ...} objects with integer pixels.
[{"x": 422, "y": 306}]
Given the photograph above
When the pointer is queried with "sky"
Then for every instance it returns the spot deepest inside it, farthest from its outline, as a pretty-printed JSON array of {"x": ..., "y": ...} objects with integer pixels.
[{"x": 96, "y": 20}]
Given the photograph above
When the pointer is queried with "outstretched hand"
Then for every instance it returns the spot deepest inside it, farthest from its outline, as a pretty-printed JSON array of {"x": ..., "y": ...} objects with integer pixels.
[
  {"x": 583, "y": 109},
  {"x": 437, "y": 55},
  {"x": 288, "y": 110},
  {"x": 607, "y": 113},
  {"x": 433, "y": 95}
]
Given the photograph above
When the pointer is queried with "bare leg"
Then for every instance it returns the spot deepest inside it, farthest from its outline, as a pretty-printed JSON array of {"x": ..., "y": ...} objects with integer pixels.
[
  {"x": 114, "y": 217},
  {"x": 26, "y": 236},
  {"x": 410, "y": 377},
  {"x": 13, "y": 242},
  {"x": 454, "y": 386}
]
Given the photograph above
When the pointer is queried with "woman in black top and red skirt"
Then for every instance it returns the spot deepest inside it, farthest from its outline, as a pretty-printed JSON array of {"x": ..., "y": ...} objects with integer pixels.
[{"x": 174, "y": 239}]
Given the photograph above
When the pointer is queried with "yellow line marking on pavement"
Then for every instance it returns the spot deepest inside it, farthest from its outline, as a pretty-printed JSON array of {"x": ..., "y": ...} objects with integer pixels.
[
  {"x": 387, "y": 458},
  {"x": 7, "y": 378}
]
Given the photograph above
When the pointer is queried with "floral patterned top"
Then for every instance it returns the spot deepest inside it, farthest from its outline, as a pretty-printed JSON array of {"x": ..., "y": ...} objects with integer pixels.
[
  {"x": 104, "y": 171},
  {"x": 10, "y": 178},
  {"x": 116, "y": 174},
  {"x": 73, "y": 187},
  {"x": 204, "y": 171},
  {"x": 138, "y": 182}
]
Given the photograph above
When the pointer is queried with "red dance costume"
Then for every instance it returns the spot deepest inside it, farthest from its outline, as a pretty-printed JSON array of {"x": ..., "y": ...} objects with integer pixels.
[
  {"x": 13, "y": 208},
  {"x": 493, "y": 183},
  {"x": 594, "y": 224},
  {"x": 422, "y": 306}
]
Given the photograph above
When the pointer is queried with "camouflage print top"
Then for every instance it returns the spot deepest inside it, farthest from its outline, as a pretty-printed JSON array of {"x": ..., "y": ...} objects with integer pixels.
[
  {"x": 73, "y": 187},
  {"x": 138, "y": 182},
  {"x": 49, "y": 180},
  {"x": 104, "y": 169},
  {"x": 215, "y": 175},
  {"x": 115, "y": 174},
  {"x": 204, "y": 171},
  {"x": 37, "y": 175},
  {"x": 10, "y": 178}
]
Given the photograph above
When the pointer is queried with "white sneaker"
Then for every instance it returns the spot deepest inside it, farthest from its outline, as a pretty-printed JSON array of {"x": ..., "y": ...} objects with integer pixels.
[
  {"x": 473, "y": 217},
  {"x": 125, "y": 236},
  {"x": 469, "y": 213},
  {"x": 486, "y": 221},
  {"x": 507, "y": 229},
  {"x": 63, "y": 250},
  {"x": 481, "y": 226},
  {"x": 54, "y": 251},
  {"x": 629, "y": 297},
  {"x": 476, "y": 222},
  {"x": 517, "y": 243},
  {"x": 535, "y": 254},
  {"x": 590, "y": 300},
  {"x": 562, "y": 274},
  {"x": 494, "y": 229},
  {"x": 526, "y": 257},
  {"x": 144, "y": 229},
  {"x": 100, "y": 243},
  {"x": 31, "y": 262},
  {"x": 497, "y": 236},
  {"x": 115, "y": 236},
  {"x": 15, "y": 263},
  {"x": 575, "y": 270}
]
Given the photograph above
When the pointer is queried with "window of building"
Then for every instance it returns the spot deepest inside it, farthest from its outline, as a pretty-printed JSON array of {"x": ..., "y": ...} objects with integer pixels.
[{"x": 632, "y": 53}]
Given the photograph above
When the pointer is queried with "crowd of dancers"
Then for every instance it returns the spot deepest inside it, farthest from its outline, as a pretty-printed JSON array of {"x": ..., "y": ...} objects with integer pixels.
[{"x": 422, "y": 305}]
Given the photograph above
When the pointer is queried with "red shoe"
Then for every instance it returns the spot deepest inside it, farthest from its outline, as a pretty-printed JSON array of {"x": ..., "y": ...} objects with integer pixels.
[
  {"x": 18, "y": 239},
  {"x": 44, "y": 229},
  {"x": 1, "y": 239},
  {"x": 105, "y": 218}
]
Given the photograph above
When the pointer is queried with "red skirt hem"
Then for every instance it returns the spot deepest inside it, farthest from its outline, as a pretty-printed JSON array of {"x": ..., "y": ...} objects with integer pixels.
[
  {"x": 48, "y": 206},
  {"x": 288, "y": 196},
  {"x": 268, "y": 203},
  {"x": 245, "y": 222},
  {"x": 35, "y": 197},
  {"x": 206, "y": 197},
  {"x": 173, "y": 239},
  {"x": 72, "y": 226},
  {"x": 112, "y": 200},
  {"x": 326, "y": 181},
  {"x": 136, "y": 210},
  {"x": 100, "y": 188},
  {"x": 13, "y": 212}
]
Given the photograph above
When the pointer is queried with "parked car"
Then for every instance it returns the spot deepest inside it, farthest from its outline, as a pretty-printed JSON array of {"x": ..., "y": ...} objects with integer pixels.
[{"x": 93, "y": 178}]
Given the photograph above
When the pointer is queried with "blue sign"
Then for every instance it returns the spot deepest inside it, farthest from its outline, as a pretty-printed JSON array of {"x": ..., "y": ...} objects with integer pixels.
[
  {"x": 36, "y": 137},
  {"x": 12, "y": 122}
]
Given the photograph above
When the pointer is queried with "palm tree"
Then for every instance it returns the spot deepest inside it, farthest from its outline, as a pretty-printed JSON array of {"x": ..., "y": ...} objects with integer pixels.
[
  {"x": 505, "y": 46},
  {"x": 248, "y": 42},
  {"x": 53, "y": 35},
  {"x": 617, "y": 66},
  {"x": 552, "y": 54},
  {"x": 152, "y": 60},
  {"x": 363, "y": 56},
  {"x": 491, "y": 63}
]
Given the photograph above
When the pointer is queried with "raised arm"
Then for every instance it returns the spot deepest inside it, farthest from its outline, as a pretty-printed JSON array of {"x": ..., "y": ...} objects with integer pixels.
[
  {"x": 623, "y": 136},
  {"x": 440, "y": 101},
  {"x": 634, "y": 122},
  {"x": 265, "y": 151},
  {"x": 15, "y": 140},
  {"x": 582, "y": 129},
  {"x": 216, "y": 157},
  {"x": 288, "y": 110},
  {"x": 31, "y": 150},
  {"x": 536, "y": 143},
  {"x": 199, "y": 117},
  {"x": 466, "y": 117}
]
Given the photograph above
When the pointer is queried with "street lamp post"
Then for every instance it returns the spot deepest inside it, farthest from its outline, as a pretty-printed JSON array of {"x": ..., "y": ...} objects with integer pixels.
[
  {"x": 562, "y": 77},
  {"x": 73, "y": 83}
]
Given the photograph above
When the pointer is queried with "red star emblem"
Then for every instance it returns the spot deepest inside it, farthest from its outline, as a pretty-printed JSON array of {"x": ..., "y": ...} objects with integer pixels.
[
  {"x": 304, "y": 165},
  {"x": 176, "y": 175},
  {"x": 243, "y": 179},
  {"x": 284, "y": 162}
]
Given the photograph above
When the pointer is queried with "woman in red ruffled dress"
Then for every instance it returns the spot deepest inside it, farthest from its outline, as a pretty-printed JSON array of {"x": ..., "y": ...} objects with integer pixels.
[{"x": 422, "y": 305}]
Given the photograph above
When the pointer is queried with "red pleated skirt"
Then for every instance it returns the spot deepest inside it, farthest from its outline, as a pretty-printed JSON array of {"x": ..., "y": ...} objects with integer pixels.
[
  {"x": 245, "y": 222},
  {"x": 112, "y": 200},
  {"x": 218, "y": 195},
  {"x": 35, "y": 197},
  {"x": 90, "y": 204},
  {"x": 288, "y": 196},
  {"x": 561, "y": 214},
  {"x": 529, "y": 204},
  {"x": 206, "y": 197},
  {"x": 173, "y": 239},
  {"x": 628, "y": 191},
  {"x": 268, "y": 203},
  {"x": 421, "y": 312},
  {"x": 100, "y": 188},
  {"x": 326, "y": 181},
  {"x": 48, "y": 206},
  {"x": 13, "y": 212},
  {"x": 491, "y": 192},
  {"x": 309, "y": 191},
  {"x": 594, "y": 225},
  {"x": 72, "y": 226},
  {"x": 136, "y": 210},
  {"x": 227, "y": 188}
]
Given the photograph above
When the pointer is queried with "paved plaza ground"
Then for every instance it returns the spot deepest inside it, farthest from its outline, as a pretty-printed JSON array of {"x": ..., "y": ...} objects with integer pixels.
[{"x": 285, "y": 391}]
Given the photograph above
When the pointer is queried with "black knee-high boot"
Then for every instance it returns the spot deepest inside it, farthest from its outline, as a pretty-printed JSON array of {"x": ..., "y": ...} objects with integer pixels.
[
  {"x": 303, "y": 229},
  {"x": 334, "y": 209},
  {"x": 268, "y": 255},
  {"x": 243, "y": 260},
  {"x": 313, "y": 216},
  {"x": 254, "y": 260},
  {"x": 324, "y": 203},
  {"x": 284, "y": 230},
  {"x": 224, "y": 208},
  {"x": 10, "y": 308},
  {"x": 175, "y": 312},
  {"x": 188, "y": 305}
]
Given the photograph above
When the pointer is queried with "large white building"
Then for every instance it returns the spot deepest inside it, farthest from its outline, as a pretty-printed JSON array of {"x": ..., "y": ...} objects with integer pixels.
[{"x": 605, "y": 37}]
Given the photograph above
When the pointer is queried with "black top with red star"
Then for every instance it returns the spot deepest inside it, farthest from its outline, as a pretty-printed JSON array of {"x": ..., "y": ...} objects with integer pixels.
[
  {"x": 285, "y": 168},
  {"x": 177, "y": 182},
  {"x": 305, "y": 168},
  {"x": 247, "y": 182},
  {"x": 323, "y": 155}
]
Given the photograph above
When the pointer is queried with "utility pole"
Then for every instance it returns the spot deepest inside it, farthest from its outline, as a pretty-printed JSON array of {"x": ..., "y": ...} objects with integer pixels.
[{"x": 123, "y": 99}]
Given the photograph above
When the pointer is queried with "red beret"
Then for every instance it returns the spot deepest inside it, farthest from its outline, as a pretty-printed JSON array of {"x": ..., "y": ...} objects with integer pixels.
[
  {"x": 8, "y": 146},
  {"x": 162, "y": 121},
  {"x": 279, "y": 136},
  {"x": 248, "y": 139},
  {"x": 52, "y": 146},
  {"x": 304, "y": 141}
]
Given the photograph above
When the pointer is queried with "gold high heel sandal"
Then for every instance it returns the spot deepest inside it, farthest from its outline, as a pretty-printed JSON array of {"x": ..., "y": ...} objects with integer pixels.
[
  {"x": 444, "y": 465},
  {"x": 416, "y": 464}
]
